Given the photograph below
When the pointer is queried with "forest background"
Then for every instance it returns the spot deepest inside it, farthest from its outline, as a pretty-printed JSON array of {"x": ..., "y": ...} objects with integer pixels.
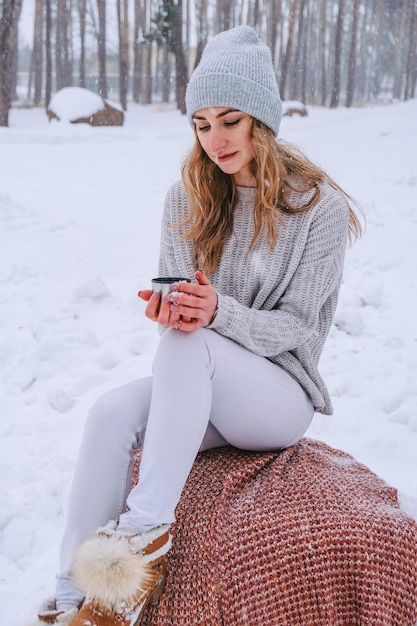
[{"x": 325, "y": 52}]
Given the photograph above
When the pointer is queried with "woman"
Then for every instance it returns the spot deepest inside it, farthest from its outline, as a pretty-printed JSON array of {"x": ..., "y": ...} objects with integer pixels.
[{"x": 263, "y": 232}]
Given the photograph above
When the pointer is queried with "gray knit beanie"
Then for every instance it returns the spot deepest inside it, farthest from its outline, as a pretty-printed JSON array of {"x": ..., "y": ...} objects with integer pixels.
[{"x": 236, "y": 71}]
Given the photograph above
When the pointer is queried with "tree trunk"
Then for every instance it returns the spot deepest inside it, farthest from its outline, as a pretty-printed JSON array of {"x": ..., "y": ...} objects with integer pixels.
[
  {"x": 323, "y": 55},
  {"x": 399, "y": 55},
  {"x": 306, "y": 54},
  {"x": 380, "y": 35},
  {"x": 363, "y": 54},
  {"x": 353, "y": 55},
  {"x": 312, "y": 62},
  {"x": 274, "y": 18},
  {"x": 123, "y": 26},
  {"x": 410, "y": 81},
  {"x": 181, "y": 71},
  {"x": 101, "y": 43},
  {"x": 37, "y": 56},
  {"x": 334, "y": 100},
  {"x": 82, "y": 10},
  {"x": 63, "y": 69},
  {"x": 136, "y": 52},
  {"x": 256, "y": 13},
  {"x": 288, "y": 52},
  {"x": 146, "y": 77},
  {"x": 297, "y": 68},
  {"x": 8, "y": 40},
  {"x": 166, "y": 74},
  {"x": 145, "y": 56},
  {"x": 202, "y": 30},
  {"x": 413, "y": 67},
  {"x": 48, "y": 53},
  {"x": 224, "y": 12},
  {"x": 14, "y": 70},
  {"x": 188, "y": 20}
]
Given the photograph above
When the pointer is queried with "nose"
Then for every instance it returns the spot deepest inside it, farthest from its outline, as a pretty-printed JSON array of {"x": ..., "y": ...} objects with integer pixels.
[{"x": 217, "y": 140}]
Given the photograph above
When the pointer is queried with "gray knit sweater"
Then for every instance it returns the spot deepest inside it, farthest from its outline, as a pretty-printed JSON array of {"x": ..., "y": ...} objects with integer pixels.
[{"x": 279, "y": 305}]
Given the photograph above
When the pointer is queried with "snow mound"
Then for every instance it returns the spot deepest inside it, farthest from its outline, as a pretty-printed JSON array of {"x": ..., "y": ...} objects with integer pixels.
[
  {"x": 72, "y": 104},
  {"x": 294, "y": 107}
]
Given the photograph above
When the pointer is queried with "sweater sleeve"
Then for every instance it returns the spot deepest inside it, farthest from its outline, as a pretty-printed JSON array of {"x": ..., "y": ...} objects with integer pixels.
[{"x": 293, "y": 316}]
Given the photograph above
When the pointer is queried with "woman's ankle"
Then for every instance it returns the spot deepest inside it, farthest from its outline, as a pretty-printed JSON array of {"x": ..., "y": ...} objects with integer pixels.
[{"x": 67, "y": 596}]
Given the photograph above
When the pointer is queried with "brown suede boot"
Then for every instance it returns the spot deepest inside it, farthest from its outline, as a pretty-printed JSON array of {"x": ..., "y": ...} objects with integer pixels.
[{"x": 120, "y": 575}]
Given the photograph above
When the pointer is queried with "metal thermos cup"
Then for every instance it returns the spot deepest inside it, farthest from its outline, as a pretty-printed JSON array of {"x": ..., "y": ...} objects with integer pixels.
[{"x": 162, "y": 284}]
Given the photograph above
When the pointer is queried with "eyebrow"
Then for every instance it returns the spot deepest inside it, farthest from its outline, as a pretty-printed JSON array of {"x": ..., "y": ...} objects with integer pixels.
[{"x": 222, "y": 114}]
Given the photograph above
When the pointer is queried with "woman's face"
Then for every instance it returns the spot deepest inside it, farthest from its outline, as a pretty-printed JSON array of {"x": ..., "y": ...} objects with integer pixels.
[{"x": 226, "y": 137}]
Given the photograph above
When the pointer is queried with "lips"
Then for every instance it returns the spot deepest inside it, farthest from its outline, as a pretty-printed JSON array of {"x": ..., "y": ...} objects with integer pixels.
[{"x": 225, "y": 157}]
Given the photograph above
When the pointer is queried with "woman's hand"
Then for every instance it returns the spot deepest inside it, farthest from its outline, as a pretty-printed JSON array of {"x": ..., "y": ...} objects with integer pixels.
[
  {"x": 189, "y": 307},
  {"x": 156, "y": 310}
]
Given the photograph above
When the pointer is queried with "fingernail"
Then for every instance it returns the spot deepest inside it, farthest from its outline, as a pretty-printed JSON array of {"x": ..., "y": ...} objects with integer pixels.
[
  {"x": 174, "y": 287},
  {"x": 174, "y": 308},
  {"x": 155, "y": 295}
]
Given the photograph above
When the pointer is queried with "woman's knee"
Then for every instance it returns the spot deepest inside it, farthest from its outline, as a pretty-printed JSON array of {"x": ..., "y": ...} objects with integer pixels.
[
  {"x": 171, "y": 337},
  {"x": 174, "y": 342},
  {"x": 103, "y": 412},
  {"x": 120, "y": 412}
]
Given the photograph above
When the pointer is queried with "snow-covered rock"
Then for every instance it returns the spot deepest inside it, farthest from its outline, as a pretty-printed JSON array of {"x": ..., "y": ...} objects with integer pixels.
[
  {"x": 77, "y": 105},
  {"x": 294, "y": 107}
]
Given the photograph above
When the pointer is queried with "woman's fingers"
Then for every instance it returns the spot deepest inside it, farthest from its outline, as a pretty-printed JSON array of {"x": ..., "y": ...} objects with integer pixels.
[
  {"x": 189, "y": 307},
  {"x": 145, "y": 294},
  {"x": 160, "y": 311},
  {"x": 202, "y": 278},
  {"x": 152, "y": 308},
  {"x": 165, "y": 317},
  {"x": 195, "y": 302}
]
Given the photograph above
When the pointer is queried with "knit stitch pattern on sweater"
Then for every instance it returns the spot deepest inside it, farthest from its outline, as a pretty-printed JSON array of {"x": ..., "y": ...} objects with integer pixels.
[
  {"x": 279, "y": 305},
  {"x": 303, "y": 537}
]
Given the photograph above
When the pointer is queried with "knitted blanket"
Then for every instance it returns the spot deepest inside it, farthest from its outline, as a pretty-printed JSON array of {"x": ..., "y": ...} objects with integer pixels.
[{"x": 303, "y": 537}]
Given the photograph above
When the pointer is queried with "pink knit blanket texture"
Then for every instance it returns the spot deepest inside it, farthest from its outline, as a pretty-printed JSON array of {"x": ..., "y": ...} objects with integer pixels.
[{"x": 303, "y": 537}]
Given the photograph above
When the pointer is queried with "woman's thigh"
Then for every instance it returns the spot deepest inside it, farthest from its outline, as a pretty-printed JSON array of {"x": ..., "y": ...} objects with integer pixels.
[{"x": 256, "y": 405}]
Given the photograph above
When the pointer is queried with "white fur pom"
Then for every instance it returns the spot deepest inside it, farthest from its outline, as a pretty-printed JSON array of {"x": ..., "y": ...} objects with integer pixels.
[{"x": 109, "y": 572}]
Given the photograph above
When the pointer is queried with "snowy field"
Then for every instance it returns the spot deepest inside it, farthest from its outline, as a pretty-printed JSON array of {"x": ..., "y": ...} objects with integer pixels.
[{"x": 79, "y": 227}]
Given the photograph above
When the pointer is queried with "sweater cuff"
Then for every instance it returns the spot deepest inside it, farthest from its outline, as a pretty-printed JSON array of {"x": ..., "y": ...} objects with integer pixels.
[{"x": 221, "y": 319}]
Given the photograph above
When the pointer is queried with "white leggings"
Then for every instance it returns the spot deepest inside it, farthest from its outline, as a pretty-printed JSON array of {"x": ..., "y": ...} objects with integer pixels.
[{"x": 206, "y": 391}]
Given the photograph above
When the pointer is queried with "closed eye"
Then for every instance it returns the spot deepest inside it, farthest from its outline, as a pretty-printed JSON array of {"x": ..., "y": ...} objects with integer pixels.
[{"x": 202, "y": 129}]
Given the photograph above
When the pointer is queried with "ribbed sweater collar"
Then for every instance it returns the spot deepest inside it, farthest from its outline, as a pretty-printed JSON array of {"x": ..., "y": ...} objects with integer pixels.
[{"x": 246, "y": 194}]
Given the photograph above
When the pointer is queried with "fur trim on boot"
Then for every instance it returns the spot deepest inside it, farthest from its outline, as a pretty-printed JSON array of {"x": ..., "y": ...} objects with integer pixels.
[
  {"x": 116, "y": 568},
  {"x": 48, "y": 614}
]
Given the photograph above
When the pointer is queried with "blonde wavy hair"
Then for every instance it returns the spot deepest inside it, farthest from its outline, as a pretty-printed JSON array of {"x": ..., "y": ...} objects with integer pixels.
[{"x": 276, "y": 167}]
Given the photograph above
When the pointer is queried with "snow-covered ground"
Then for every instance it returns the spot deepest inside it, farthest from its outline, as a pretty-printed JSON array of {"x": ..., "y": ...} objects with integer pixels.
[{"x": 79, "y": 233}]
